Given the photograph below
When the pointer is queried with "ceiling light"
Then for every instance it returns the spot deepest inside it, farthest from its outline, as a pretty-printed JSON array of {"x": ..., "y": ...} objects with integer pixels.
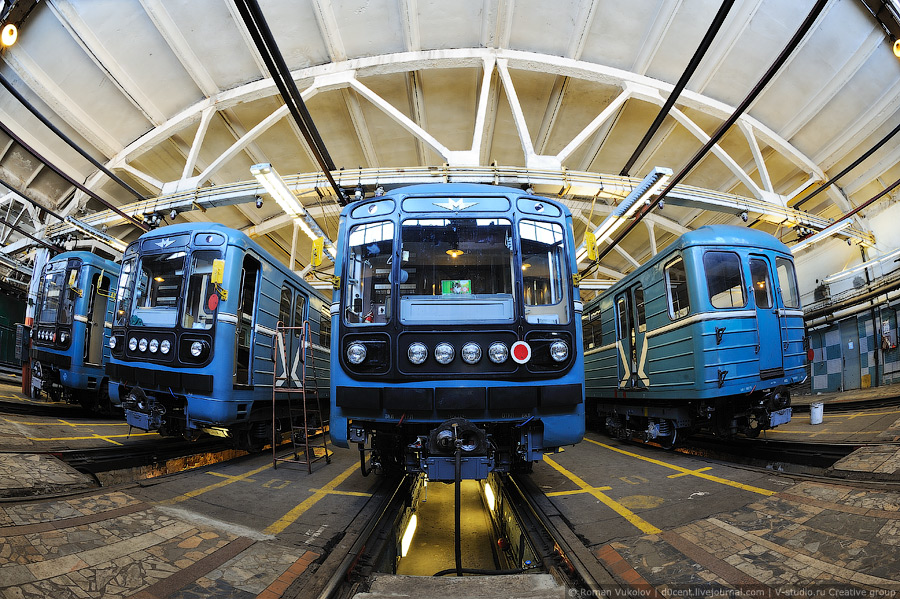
[
  {"x": 9, "y": 35},
  {"x": 109, "y": 240},
  {"x": 455, "y": 252},
  {"x": 831, "y": 229}
]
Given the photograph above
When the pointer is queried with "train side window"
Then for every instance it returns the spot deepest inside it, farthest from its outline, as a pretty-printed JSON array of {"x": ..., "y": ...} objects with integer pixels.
[
  {"x": 677, "y": 289},
  {"x": 639, "y": 307},
  {"x": 284, "y": 308},
  {"x": 623, "y": 316},
  {"x": 759, "y": 280},
  {"x": 325, "y": 328},
  {"x": 787, "y": 281},
  {"x": 593, "y": 333},
  {"x": 723, "y": 279}
]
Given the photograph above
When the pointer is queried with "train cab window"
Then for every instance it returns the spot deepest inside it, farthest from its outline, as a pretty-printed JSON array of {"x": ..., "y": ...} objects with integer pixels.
[
  {"x": 367, "y": 273},
  {"x": 677, "y": 289},
  {"x": 124, "y": 291},
  {"x": 299, "y": 308},
  {"x": 284, "y": 307},
  {"x": 723, "y": 279},
  {"x": 157, "y": 290},
  {"x": 787, "y": 281},
  {"x": 50, "y": 297},
  {"x": 201, "y": 299},
  {"x": 639, "y": 308},
  {"x": 759, "y": 280},
  {"x": 543, "y": 272}
]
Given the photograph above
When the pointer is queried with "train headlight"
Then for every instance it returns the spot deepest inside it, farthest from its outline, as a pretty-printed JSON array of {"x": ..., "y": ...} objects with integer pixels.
[
  {"x": 154, "y": 346},
  {"x": 471, "y": 353},
  {"x": 142, "y": 345},
  {"x": 165, "y": 346},
  {"x": 196, "y": 348},
  {"x": 112, "y": 343},
  {"x": 443, "y": 353},
  {"x": 63, "y": 337},
  {"x": 356, "y": 353},
  {"x": 498, "y": 352},
  {"x": 132, "y": 344},
  {"x": 559, "y": 351},
  {"x": 417, "y": 352}
]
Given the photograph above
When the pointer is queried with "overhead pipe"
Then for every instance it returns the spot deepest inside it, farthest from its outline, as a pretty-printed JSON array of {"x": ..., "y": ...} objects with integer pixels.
[
  {"x": 281, "y": 75},
  {"x": 720, "y": 132},
  {"x": 71, "y": 181},
  {"x": 67, "y": 139},
  {"x": 682, "y": 82}
]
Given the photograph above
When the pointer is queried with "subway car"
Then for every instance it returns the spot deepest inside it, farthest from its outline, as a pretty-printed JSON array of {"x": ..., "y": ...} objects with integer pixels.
[
  {"x": 195, "y": 341},
  {"x": 456, "y": 331},
  {"x": 71, "y": 330},
  {"x": 706, "y": 336}
]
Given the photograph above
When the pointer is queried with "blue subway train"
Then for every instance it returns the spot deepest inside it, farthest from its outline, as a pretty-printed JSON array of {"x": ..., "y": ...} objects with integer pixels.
[
  {"x": 195, "y": 341},
  {"x": 706, "y": 336},
  {"x": 456, "y": 331},
  {"x": 71, "y": 330}
]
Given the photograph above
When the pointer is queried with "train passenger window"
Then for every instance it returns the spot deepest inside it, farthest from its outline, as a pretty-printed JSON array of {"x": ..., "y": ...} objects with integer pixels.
[
  {"x": 544, "y": 272},
  {"x": 199, "y": 303},
  {"x": 157, "y": 289},
  {"x": 593, "y": 331},
  {"x": 724, "y": 280},
  {"x": 325, "y": 328},
  {"x": 677, "y": 289},
  {"x": 624, "y": 317},
  {"x": 367, "y": 273},
  {"x": 639, "y": 307},
  {"x": 284, "y": 307},
  {"x": 787, "y": 281},
  {"x": 759, "y": 280}
]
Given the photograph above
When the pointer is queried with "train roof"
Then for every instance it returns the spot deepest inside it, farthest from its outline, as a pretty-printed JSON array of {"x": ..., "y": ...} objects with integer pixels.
[
  {"x": 432, "y": 189},
  {"x": 86, "y": 257}
]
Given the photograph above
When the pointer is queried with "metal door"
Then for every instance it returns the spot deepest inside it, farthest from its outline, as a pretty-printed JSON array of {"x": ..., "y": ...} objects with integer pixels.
[
  {"x": 850, "y": 354},
  {"x": 768, "y": 324},
  {"x": 625, "y": 340}
]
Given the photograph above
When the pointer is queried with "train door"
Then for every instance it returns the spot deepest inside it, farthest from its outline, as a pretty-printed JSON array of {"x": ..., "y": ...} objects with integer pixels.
[
  {"x": 243, "y": 356},
  {"x": 297, "y": 349},
  {"x": 640, "y": 337},
  {"x": 96, "y": 316},
  {"x": 292, "y": 309},
  {"x": 768, "y": 325},
  {"x": 625, "y": 342}
]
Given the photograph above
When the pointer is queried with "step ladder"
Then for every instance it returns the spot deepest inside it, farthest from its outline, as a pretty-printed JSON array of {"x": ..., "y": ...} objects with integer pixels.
[{"x": 308, "y": 427}]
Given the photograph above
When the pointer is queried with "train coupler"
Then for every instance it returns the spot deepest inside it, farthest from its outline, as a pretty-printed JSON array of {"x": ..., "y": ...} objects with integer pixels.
[{"x": 143, "y": 412}]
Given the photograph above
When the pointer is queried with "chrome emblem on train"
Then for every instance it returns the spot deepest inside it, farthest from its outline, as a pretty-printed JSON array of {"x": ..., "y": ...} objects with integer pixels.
[{"x": 455, "y": 205}]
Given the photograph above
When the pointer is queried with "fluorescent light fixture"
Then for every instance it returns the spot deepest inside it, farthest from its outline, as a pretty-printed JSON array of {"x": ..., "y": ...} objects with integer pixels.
[
  {"x": 828, "y": 231},
  {"x": 275, "y": 186},
  {"x": 595, "y": 284},
  {"x": 646, "y": 189},
  {"x": 846, "y": 273},
  {"x": 406, "y": 541},
  {"x": 489, "y": 496},
  {"x": 116, "y": 244}
]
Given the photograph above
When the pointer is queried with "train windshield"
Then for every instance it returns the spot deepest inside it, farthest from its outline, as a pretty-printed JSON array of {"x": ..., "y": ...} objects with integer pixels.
[
  {"x": 157, "y": 287},
  {"x": 367, "y": 299},
  {"x": 202, "y": 297},
  {"x": 123, "y": 294},
  {"x": 456, "y": 270}
]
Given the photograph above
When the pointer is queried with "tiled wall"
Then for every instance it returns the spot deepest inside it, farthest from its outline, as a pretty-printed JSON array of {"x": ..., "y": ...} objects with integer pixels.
[{"x": 827, "y": 366}]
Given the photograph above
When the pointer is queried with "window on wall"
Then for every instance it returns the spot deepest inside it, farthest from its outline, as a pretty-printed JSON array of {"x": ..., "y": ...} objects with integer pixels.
[
  {"x": 677, "y": 289},
  {"x": 787, "y": 280},
  {"x": 724, "y": 280},
  {"x": 759, "y": 280}
]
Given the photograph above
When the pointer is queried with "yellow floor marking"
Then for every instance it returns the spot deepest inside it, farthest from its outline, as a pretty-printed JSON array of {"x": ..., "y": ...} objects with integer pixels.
[
  {"x": 690, "y": 472},
  {"x": 47, "y": 423},
  {"x": 289, "y": 518},
  {"x": 617, "y": 507},
  {"x": 95, "y": 436},
  {"x": 228, "y": 480},
  {"x": 696, "y": 473}
]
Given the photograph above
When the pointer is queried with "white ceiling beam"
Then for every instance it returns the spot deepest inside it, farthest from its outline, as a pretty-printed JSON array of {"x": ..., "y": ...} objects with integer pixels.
[{"x": 330, "y": 30}]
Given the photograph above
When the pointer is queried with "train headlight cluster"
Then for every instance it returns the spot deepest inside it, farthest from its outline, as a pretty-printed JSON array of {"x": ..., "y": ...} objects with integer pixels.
[
  {"x": 498, "y": 352},
  {"x": 417, "y": 353},
  {"x": 443, "y": 353},
  {"x": 356, "y": 353},
  {"x": 152, "y": 345},
  {"x": 46, "y": 335},
  {"x": 559, "y": 351}
]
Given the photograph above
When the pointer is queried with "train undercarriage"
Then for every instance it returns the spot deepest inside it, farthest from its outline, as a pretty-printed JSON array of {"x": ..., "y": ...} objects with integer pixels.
[{"x": 666, "y": 422}]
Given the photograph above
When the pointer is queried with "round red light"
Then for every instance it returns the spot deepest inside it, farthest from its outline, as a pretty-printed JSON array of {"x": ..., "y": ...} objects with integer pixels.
[{"x": 520, "y": 352}]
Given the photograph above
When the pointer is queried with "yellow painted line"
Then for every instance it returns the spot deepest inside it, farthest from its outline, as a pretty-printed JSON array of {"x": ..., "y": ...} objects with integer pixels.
[
  {"x": 689, "y": 473},
  {"x": 228, "y": 480},
  {"x": 697, "y": 473},
  {"x": 48, "y": 423},
  {"x": 617, "y": 507},
  {"x": 289, "y": 518},
  {"x": 95, "y": 436}
]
